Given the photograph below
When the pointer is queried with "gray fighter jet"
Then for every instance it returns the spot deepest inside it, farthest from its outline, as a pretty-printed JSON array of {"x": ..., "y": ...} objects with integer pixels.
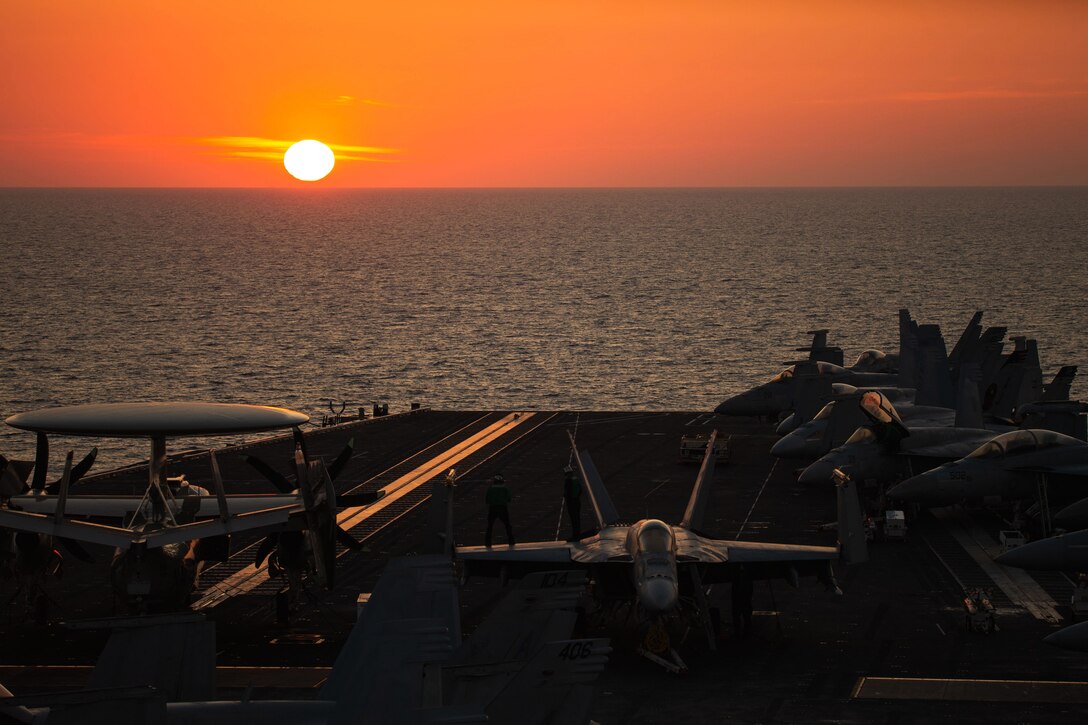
[
  {"x": 920, "y": 346},
  {"x": 891, "y": 449},
  {"x": 655, "y": 564},
  {"x": 1010, "y": 466},
  {"x": 1065, "y": 552}
]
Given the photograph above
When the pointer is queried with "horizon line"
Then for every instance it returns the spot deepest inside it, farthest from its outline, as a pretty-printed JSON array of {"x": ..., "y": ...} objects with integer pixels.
[{"x": 546, "y": 188}]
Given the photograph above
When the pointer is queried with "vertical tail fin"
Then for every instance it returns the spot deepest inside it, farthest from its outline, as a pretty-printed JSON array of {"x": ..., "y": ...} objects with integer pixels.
[
  {"x": 966, "y": 347},
  {"x": 852, "y": 547},
  {"x": 603, "y": 508},
  {"x": 934, "y": 382},
  {"x": 908, "y": 350},
  {"x": 811, "y": 392},
  {"x": 693, "y": 515},
  {"x": 1058, "y": 388},
  {"x": 968, "y": 405}
]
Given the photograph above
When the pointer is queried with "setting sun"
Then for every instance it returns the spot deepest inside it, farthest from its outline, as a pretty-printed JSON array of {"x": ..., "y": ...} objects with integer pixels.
[{"x": 309, "y": 160}]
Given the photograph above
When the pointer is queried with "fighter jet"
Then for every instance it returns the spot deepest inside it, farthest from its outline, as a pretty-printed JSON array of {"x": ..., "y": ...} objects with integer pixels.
[
  {"x": 1010, "y": 466},
  {"x": 839, "y": 418},
  {"x": 922, "y": 363},
  {"x": 655, "y": 564},
  {"x": 778, "y": 394},
  {"x": 1073, "y": 638},
  {"x": 1065, "y": 552},
  {"x": 891, "y": 449}
]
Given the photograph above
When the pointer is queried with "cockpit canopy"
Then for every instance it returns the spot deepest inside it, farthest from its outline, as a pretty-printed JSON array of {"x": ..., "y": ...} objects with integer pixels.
[
  {"x": 1023, "y": 441},
  {"x": 655, "y": 537},
  {"x": 868, "y": 358},
  {"x": 822, "y": 368},
  {"x": 877, "y": 407}
]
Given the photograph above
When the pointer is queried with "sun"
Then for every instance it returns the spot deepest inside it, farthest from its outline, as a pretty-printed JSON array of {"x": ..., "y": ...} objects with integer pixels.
[{"x": 309, "y": 160}]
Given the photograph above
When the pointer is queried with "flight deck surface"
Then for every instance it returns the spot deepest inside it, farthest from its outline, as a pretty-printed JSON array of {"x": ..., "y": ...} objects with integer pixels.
[{"x": 893, "y": 648}]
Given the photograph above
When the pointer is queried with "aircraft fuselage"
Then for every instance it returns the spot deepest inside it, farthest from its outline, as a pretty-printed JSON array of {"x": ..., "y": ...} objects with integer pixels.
[{"x": 652, "y": 546}]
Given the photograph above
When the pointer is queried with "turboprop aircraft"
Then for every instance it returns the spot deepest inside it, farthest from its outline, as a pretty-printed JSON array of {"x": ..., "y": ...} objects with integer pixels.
[
  {"x": 657, "y": 566},
  {"x": 174, "y": 525}
]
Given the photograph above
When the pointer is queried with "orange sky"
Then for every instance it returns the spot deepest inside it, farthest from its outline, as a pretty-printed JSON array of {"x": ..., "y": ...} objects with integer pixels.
[{"x": 559, "y": 93}]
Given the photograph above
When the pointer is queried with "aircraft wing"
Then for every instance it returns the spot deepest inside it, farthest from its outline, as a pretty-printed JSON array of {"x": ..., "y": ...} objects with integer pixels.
[
  {"x": 122, "y": 538},
  {"x": 65, "y": 528},
  {"x": 761, "y": 561},
  {"x": 605, "y": 548},
  {"x": 121, "y": 506}
]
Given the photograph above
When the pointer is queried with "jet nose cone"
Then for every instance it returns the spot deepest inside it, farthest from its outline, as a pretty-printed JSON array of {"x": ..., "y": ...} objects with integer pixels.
[
  {"x": 1073, "y": 517},
  {"x": 926, "y": 487},
  {"x": 736, "y": 405},
  {"x": 1074, "y": 638},
  {"x": 819, "y": 472},
  {"x": 792, "y": 446},
  {"x": 1068, "y": 552},
  {"x": 658, "y": 595},
  {"x": 788, "y": 425}
]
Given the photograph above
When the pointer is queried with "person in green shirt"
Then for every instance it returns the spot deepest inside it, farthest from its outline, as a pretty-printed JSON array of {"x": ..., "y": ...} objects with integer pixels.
[
  {"x": 498, "y": 499},
  {"x": 572, "y": 497}
]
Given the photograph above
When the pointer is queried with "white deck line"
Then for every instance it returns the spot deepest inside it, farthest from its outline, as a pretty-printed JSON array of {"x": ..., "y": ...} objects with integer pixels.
[
  {"x": 1018, "y": 586},
  {"x": 250, "y": 577}
]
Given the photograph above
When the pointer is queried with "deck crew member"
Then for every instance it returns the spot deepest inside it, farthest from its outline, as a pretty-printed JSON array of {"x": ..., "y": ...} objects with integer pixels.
[
  {"x": 572, "y": 497},
  {"x": 498, "y": 501}
]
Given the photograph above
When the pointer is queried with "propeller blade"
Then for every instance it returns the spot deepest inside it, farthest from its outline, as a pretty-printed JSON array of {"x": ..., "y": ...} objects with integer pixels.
[
  {"x": 41, "y": 462},
  {"x": 76, "y": 549},
  {"x": 267, "y": 545},
  {"x": 300, "y": 442},
  {"x": 78, "y": 471},
  {"x": 281, "y": 482},
  {"x": 346, "y": 539},
  {"x": 81, "y": 468},
  {"x": 358, "y": 500},
  {"x": 328, "y": 552},
  {"x": 342, "y": 459}
]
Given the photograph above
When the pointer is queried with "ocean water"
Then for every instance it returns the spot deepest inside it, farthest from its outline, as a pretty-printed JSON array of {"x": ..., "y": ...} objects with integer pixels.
[{"x": 507, "y": 299}]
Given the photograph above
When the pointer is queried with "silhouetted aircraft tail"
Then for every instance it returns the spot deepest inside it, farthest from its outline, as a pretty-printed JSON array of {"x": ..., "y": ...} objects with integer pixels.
[
  {"x": 820, "y": 351},
  {"x": 934, "y": 382},
  {"x": 852, "y": 547},
  {"x": 1058, "y": 388},
  {"x": 693, "y": 515},
  {"x": 603, "y": 509},
  {"x": 968, "y": 404},
  {"x": 812, "y": 391}
]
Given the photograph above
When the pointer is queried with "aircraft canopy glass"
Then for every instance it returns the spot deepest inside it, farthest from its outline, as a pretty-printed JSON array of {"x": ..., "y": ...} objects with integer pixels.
[
  {"x": 655, "y": 538},
  {"x": 878, "y": 407},
  {"x": 1023, "y": 441},
  {"x": 783, "y": 376},
  {"x": 867, "y": 358}
]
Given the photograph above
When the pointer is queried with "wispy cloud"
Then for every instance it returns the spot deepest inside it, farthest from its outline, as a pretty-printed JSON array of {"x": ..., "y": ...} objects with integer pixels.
[
  {"x": 980, "y": 94},
  {"x": 254, "y": 147},
  {"x": 352, "y": 100},
  {"x": 962, "y": 94}
]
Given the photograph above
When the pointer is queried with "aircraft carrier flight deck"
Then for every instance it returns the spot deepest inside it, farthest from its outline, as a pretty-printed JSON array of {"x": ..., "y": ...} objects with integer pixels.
[{"x": 893, "y": 648}]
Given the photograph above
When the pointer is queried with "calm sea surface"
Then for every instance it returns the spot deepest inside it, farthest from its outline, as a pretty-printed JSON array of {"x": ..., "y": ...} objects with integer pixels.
[{"x": 535, "y": 299}]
